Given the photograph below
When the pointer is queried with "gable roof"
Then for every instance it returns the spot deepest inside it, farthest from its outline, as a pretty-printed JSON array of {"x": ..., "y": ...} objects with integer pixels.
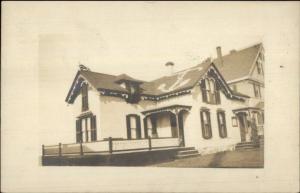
[
  {"x": 125, "y": 77},
  {"x": 241, "y": 61},
  {"x": 178, "y": 81}
]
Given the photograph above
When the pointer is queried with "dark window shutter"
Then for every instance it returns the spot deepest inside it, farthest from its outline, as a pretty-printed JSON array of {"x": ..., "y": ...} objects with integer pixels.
[
  {"x": 218, "y": 88},
  {"x": 93, "y": 128},
  {"x": 202, "y": 124},
  {"x": 145, "y": 120},
  {"x": 203, "y": 90},
  {"x": 225, "y": 128},
  {"x": 128, "y": 127},
  {"x": 78, "y": 131},
  {"x": 219, "y": 124},
  {"x": 209, "y": 124},
  {"x": 138, "y": 127}
]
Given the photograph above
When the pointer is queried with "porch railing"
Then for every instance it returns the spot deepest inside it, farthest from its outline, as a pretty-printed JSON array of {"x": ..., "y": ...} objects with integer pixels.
[{"x": 109, "y": 146}]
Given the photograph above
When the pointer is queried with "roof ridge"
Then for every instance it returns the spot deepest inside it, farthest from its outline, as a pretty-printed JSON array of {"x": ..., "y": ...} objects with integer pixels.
[{"x": 100, "y": 73}]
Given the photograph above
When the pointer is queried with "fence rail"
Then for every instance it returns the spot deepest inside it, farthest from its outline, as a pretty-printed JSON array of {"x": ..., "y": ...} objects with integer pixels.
[{"x": 109, "y": 146}]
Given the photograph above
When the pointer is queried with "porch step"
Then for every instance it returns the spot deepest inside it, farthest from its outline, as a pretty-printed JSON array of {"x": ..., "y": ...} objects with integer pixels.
[
  {"x": 186, "y": 148},
  {"x": 187, "y": 152},
  {"x": 245, "y": 145}
]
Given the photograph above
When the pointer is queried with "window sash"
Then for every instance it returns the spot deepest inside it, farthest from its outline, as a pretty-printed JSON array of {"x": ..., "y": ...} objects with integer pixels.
[{"x": 222, "y": 124}]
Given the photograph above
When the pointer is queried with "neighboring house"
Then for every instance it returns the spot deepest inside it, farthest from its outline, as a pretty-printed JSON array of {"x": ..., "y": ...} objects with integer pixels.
[
  {"x": 212, "y": 106},
  {"x": 243, "y": 71}
]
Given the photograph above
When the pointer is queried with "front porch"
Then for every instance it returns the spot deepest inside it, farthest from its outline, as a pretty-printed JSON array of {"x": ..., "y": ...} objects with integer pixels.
[
  {"x": 166, "y": 121},
  {"x": 251, "y": 123},
  {"x": 112, "y": 152}
]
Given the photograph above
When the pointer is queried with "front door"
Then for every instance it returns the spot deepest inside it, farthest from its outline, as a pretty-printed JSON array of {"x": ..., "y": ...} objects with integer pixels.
[{"x": 242, "y": 123}]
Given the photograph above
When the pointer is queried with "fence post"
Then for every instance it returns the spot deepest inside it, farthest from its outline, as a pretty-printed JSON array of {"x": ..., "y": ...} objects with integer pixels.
[
  {"x": 110, "y": 144},
  {"x": 149, "y": 142},
  {"x": 81, "y": 149},
  {"x": 43, "y": 150},
  {"x": 59, "y": 149}
]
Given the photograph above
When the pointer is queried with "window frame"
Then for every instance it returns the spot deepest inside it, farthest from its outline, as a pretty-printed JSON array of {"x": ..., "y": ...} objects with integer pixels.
[
  {"x": 221, "y": 114},
  {"x": 89, "y": 134},
  {"x": 206, "y": 127},
  {"x": 210, "y": 95},
  {"x": 137, "y": 128}
]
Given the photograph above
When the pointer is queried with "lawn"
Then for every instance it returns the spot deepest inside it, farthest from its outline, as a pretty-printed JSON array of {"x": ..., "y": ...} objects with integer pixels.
[{"x": 253, "y": 158}]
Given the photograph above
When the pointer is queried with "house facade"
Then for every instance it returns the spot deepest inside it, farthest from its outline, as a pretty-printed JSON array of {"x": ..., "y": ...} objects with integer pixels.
[{"x": 209, "y": 106}]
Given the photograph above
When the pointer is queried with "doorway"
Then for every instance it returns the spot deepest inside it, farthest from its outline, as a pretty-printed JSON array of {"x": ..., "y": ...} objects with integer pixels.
[{"x": 243, "y": 125}]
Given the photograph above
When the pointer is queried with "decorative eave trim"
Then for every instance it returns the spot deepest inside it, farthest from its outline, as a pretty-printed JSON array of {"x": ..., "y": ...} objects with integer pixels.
[
  {"x": 114, "y": 93},
  {"x": 261, "y": 49},
  {"x": 167, "y": 95},
  {"x": 247, "y": 109},
  {"x": 172, "y": 108},
  {"x": 78, "y": 78},
  {"x": 229, "y": 94},
  {"x": 72, "y": 87}
]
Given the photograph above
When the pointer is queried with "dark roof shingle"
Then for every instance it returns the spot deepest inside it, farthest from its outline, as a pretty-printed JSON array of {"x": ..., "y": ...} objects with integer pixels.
[{"x": 237, "y": 64}]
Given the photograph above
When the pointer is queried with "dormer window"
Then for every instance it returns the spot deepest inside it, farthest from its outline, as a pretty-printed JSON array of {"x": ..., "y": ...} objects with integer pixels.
[
  {"x": 210, "y": 91},
  {"x": 132, "y": 86}
]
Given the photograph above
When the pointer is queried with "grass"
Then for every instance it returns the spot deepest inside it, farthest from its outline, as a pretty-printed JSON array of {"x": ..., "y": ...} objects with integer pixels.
[{"x": 253, "y": 158}]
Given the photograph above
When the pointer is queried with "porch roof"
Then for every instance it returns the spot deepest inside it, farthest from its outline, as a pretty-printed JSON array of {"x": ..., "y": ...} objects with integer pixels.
[
  {"x": 171, "y": 108},
  {"x": 246, "y": 109}
]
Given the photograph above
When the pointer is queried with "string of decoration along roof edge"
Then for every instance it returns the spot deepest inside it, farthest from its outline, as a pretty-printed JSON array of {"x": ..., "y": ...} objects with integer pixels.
[{"x": 170, "y": 108}]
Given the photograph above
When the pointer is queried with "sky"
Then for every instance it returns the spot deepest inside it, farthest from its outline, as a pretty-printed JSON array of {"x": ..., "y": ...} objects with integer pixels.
[{"x": 45, "y": 42}]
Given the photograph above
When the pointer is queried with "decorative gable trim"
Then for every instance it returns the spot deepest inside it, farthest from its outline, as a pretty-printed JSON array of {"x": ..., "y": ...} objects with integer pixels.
[
  {"x": 107, "y": 92},
  {"x": 213, "y": 71},
  {"x": 261, "y": 49},
  {"x": 78, "y": 81}
]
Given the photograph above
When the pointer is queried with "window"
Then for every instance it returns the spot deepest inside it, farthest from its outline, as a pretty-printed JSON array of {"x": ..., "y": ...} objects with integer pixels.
[
  {"x": 84, "y": 93},
  {"x": 258, "y": 66},
  {"x": 86, "y": 129},
  {"x": 256, "y": 88},
  {"x": 259, "y": 63},
  {"x": 234, "y": 122},
  {"x": 133, "y": 123},
  {"x": 259, "y": 118},
  {"x": 205, "y": 124},
  {"x": 222, "y": 124},
  {"x": 210, "y": 91}
]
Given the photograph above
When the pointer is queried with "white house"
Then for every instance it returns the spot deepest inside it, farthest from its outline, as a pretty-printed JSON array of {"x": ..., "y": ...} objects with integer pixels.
[{"x": 212, "y": 106}]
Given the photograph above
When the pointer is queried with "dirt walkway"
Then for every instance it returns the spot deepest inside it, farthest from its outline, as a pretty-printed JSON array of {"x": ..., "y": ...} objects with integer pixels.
[{"x": 230, "y": 159}]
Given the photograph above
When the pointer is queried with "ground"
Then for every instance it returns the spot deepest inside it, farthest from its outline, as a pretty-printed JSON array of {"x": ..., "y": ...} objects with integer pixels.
[{"x": 253, "y": 158}]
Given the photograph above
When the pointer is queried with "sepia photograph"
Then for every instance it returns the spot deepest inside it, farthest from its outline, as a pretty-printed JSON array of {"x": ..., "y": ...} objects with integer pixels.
[{"x": 150, "y": 96}]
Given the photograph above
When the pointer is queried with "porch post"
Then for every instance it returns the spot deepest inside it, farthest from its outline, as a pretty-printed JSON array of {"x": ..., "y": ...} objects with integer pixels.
[
  {"x": 110, "y": 145},
  {"x": 81, "y": 149},
  {"x": 59, "y": 149},
  {"x": 150, "y": 144},
  {"x": 43, "y": 150},
  {"x": 177, "y": 125}
]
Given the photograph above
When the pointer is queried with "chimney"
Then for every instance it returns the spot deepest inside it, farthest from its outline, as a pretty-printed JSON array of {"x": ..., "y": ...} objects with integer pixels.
[
  {"x": 232, "y": 51},
  {"x": 219, "y": 55},
  {"x": 170, "y": 68}
]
